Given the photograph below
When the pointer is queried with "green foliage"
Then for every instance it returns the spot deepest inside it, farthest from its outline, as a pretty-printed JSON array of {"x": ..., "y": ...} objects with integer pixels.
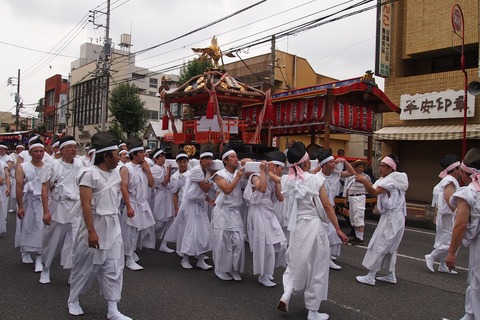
[
  {"x": 193, "y": 68},
  {"x": 41, "y": 128},
  {"x": 127, "y": 109},
  {"x": 115, "y": 129}
]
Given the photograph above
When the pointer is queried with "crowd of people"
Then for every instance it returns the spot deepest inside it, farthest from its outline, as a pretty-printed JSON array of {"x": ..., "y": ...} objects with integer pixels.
[{"x": 96, "y": 211}]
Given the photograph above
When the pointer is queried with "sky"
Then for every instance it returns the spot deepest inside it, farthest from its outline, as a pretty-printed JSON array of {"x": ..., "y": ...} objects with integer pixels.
[{"x": 42, "y": 38}]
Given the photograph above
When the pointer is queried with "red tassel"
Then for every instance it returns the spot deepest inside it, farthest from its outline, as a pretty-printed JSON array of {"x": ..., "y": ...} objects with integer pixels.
[
  {"x": 210, "y": 107},
  {"x": 165, "y": 122}
]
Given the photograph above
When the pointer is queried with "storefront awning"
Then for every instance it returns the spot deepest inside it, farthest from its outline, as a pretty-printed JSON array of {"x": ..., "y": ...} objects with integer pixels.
[{"x": 439, "y": 132}]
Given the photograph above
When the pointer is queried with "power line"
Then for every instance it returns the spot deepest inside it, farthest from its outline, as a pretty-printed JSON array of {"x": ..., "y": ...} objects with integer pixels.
[
  {"x": 201, "y": 28},
  {"x": 36, "y": 50}
]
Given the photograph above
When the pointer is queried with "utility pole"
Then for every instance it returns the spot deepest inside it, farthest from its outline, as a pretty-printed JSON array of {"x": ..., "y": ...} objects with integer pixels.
[
  {"x": 17, "y": 99},
  {"x": 272, "y": 67},
  {"x": 106, "y": 69}
]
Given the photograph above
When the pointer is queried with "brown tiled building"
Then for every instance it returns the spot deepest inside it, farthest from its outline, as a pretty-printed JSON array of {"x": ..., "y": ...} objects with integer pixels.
[{"x": 427, "y": 83}]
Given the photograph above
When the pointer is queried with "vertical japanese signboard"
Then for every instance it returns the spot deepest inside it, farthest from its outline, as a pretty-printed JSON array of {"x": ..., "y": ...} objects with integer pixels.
[{"x": 384, "y": 31}]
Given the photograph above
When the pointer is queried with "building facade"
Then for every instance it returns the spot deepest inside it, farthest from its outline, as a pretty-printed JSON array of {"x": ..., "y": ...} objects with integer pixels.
[
  {"x": 55, "y": 100},
  {"x": 427, "y": 83},
  {"x": 289, "y": 72},
  {"x": 87, "y": 88}
]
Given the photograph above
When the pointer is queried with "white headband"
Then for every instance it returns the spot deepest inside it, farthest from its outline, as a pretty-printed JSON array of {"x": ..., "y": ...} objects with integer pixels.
[
  {"x": 91, "y": 150},
  {"x": 326, "y": 160},
  {"x": 278, "y": 163},
  {"x": 123, "y": 151},
  {"x": 3, "y": 146},
  {"x": 114, "y": 147},
  {"x": 37, "y": 145},
  {"x": 56, "y": 144},
  {"x": 122, "y": 144},
  {"x": 226, "y": 154},
  {"x": 137, "y": 149},
  {"x": 181, "y": 155},
  {"x": 32, "y": 139},
  {"x": 68, "y": 143},
  {"x": 159, "y": 152},
  {"x": 206, "y": 154}
]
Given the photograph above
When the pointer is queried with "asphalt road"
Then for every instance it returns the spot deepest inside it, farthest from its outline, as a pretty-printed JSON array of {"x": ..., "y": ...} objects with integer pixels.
[{"x": 164, "y": 290}]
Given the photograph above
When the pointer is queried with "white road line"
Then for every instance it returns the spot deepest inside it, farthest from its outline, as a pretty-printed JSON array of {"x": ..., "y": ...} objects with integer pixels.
[
  {"x": 417, "y": 259},
  {"x": 358, "y": 311},
  {"x": 432, "y": 233}
]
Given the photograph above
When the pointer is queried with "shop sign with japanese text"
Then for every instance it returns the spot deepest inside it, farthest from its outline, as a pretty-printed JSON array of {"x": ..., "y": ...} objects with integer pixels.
[{"x": 435, "y": 105}]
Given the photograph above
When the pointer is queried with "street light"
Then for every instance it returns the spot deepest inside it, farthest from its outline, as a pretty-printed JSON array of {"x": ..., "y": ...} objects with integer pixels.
[{"x": 67, "y": 116}]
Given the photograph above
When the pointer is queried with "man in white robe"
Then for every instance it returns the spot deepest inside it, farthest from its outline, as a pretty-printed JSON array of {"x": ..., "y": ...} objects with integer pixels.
[
  {"x": 266, "y": 238},
  {"x": 390, "y": 192},
  {"x": 59, "y": 196},
  {"x": 309, "y": 250},
  {"x": 445, "y": 215},
  {"x": 228, "y": 240},
  {"x": 467, "y": 228},
  {"x": 191, "y": 229},
  {"x": 5, "y": 190},
  {"x": 138, "y": 227},
  {"x": 6, "y": 163},
  {"x": 12, "y": 204},
  {"x": 326, "y": 167},
  {"x": 177, "y": 186},
  {"x": 99, "y": 247},
  {"x": 354, "y": 193},
  {"x": 161, "y": 198},
  {"x": 29, "y": 212}
]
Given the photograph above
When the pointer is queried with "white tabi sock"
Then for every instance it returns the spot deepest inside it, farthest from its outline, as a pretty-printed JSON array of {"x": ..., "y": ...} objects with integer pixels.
[
  {"x": 359, "y": 235},
  {"x": 112, "y": 306}
]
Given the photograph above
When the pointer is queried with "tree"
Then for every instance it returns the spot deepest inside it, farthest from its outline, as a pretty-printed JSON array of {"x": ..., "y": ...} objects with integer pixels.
[
  {"x": 127, "y": 109},
  {"x": 115, "y": 129},
  {"x": 193, "y": 68}
]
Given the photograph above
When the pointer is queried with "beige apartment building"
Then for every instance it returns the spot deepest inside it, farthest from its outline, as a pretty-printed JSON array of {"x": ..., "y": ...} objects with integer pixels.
[
  {"x": 427, "y": 83},
  {"x": 87, "y": 83}
]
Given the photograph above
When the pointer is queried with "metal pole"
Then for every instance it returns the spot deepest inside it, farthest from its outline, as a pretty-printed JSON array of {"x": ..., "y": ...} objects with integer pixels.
[
  {"x": 106, "y": 69},
  {"x": 17, "y": 116},
  {"x": 465, "y": 105},
  {"x": 272, "y": 68}
]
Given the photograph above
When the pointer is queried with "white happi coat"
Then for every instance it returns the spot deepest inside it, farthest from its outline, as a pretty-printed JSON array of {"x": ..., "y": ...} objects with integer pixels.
[
  {"x": 472, "y": 241},
  {"x": 332, "y": 187},
  {"x": 12, "y": 203},
  {"x": 177, "y": 184},
  {"x": 32, "y": 226},
  {"x": 63, "y": 203},
  {"x": 105, "y": 202},
  {"x": 308, "y": 254},
  {"x": 161, "y": 198},
  {"x": 263, "y": 228},
  {"x": 65, "y": 193},
  {"x": 226, "y": 213},
  {"x": 382, "y": 249},
  {"x": 138, "y": 194},
  {"x": 191, "y": 229},
  {"x": 228, "y": 240},
  {"x": 107, "y": 262},
  {"x": 3, "y": 199},
  {"x": 445, "y": 216}
]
